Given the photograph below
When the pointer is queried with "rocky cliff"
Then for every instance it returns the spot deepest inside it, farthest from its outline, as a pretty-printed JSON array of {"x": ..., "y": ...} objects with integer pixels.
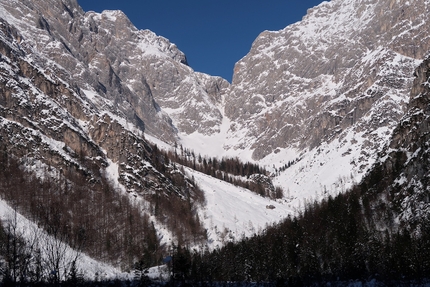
[
  {"x": 121, "y": 69},
  {"x": 75, "y": 129},
  {"x": 328, "y": 89},
  {"x": 344, "y": 67},
  {"x": 400, "y": 176}
]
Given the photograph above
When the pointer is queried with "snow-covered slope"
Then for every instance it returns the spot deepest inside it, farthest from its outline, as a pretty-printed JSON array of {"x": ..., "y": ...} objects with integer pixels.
[
  {"x": 232, "y": 212},
  {"x": 87, "y": 267}
]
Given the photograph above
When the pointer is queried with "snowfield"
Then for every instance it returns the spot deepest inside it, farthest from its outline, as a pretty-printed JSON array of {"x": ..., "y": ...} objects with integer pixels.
[{"x": 233, "y": 212}]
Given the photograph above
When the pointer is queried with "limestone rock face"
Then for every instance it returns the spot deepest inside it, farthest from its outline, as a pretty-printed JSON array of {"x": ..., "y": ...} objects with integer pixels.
[
  {"x": 46, "y": 120},
  {"x": 131, "y": 73},
  {"x": 346, "y": 67}
]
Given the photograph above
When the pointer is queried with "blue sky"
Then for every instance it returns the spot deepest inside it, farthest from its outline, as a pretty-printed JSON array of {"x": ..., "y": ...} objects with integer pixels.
[{"x": 214, "y": 34}]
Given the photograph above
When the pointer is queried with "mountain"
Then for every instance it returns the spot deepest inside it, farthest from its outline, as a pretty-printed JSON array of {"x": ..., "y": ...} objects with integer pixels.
[
  {"x": 80, "y": 95},
  {"x": 84, "y": 85},
  {"x": 74, "y": 167},
  {"x": 111, "y": 143},
  {"x": 327, "y": 90},
  {"x": 107, "y": 57},
  {"x": 376, "y": 233},
  {"x": 327, "y": 72},
  {"x": 401, "y": 171}
]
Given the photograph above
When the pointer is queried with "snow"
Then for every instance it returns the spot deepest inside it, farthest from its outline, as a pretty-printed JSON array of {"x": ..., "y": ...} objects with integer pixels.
[
  {"x": 88, "y": 267},
  {"x": 327, "y": 170},
  {"x": 159, "y": 273},
  {"x": 232, "y": 212},
  {"x": 153, "y": 45},
  {"x": 220, "y": 144},
  {"x": 150, "y": 50},
  {"x": 112, "y": 15},
  {"x": 112, "y": 174}
]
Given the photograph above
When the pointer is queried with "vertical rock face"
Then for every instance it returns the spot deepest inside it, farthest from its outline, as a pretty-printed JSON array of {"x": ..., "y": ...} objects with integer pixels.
[
  {"x": 121, "y": 69},
  {"x": 346, "y": 66},
  {"x": 330, "y": 88},
  {"x": 46, "y": 121},
  {"x": 407, "y": 156}
]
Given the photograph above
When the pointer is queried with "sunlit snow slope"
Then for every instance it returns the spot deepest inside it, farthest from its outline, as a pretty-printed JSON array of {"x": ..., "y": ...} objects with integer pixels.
[{"x": 232, "y": 212}]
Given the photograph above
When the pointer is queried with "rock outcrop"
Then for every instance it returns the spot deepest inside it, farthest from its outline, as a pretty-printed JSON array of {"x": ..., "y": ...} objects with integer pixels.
[{"x": 401, "y": 173}]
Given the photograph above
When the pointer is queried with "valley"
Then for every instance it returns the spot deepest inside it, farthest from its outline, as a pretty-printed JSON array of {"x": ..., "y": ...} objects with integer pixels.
[{"x": 112, "y": 145}]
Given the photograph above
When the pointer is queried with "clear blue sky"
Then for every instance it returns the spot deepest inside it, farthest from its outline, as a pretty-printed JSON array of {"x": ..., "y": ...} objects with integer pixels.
[{"x": 213, "y": 34}]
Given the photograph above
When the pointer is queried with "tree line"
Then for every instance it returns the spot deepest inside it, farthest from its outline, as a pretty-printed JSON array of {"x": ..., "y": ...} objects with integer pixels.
[
  {"x": 230, "y": 170},
  {"x": 348, "y": 237},
  {"x": 176, "y": 207},
  {"x": 286, "y": 166}
]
